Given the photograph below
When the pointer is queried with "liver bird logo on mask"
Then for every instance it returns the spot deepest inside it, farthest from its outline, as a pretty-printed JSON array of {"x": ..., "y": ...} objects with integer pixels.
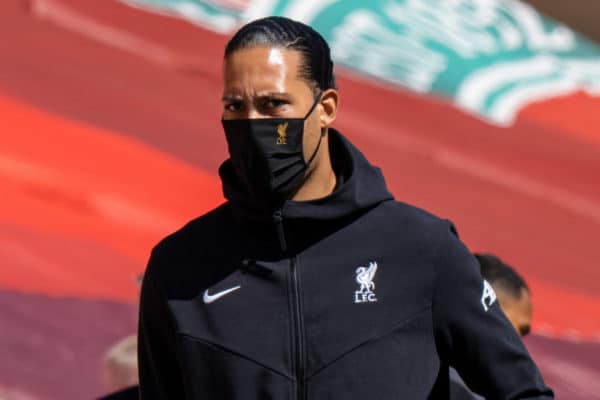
[
  {"x": 364, "y": 277},
  {"x": 282, "y": 133}
]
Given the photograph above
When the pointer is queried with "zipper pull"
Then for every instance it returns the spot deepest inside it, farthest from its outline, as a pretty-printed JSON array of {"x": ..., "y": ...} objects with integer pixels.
[{"x": 278, "y": 219}]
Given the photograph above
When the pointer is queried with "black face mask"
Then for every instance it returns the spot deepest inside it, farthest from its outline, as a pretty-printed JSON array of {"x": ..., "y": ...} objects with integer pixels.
[{"x": 267, "y": 155}]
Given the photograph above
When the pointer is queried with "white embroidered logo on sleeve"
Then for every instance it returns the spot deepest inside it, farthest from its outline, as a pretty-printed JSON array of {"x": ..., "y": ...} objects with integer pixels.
[{"x": 488, "y": 297}]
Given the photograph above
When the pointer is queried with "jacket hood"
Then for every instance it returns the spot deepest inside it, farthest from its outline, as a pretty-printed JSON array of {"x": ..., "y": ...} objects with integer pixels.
[{"x": 360, "y": 186}]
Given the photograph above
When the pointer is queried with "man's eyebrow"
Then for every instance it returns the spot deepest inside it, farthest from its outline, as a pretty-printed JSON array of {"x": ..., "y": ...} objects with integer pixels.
[
  {"x": 231, "y": 98},
  {"x": 259, "y": 95},
  {"x": 273, "y": 94}
]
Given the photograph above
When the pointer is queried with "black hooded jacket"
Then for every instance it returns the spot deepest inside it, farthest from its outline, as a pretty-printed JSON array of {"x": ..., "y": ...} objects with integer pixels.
[{"x": 353, "y": 296}]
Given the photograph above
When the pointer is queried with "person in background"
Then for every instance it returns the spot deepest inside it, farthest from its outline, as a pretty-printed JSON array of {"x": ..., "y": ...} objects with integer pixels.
[
  {"x": 512, "y": 291},
  {"x": 122, "y": 369},
  {"x": 515, "y": 300}
]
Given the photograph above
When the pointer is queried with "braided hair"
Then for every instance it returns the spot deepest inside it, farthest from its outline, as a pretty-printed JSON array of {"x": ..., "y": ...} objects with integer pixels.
[{"x": 316, "y": 66}]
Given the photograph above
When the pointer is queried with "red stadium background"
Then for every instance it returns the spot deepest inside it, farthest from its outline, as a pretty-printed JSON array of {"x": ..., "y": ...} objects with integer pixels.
[{"x": 110, "y": 139}]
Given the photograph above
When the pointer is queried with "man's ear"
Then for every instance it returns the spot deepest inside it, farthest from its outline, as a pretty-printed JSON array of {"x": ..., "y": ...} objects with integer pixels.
[{"x": 329, "y": 107}]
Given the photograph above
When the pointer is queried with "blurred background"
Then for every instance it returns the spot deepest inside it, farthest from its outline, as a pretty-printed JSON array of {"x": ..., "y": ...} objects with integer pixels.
[{"x": 485, "y": 112}]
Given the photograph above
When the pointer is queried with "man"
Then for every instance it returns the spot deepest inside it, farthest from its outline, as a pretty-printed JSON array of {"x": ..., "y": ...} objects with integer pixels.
[
  {"x": 513, "y": 295},
  {"x": 512, "y": 291},
  {"x": 311, "y": 281}
]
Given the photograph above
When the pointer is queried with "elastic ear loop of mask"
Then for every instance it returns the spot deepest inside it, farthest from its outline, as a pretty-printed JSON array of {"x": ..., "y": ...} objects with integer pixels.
[{"x": 323, "y": 130}]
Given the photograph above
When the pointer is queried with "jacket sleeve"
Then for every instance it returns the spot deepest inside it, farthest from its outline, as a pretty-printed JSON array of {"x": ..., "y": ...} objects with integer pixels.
[
  {"x": 159, "y": 371},
  {"x": 472, "y": 333}
]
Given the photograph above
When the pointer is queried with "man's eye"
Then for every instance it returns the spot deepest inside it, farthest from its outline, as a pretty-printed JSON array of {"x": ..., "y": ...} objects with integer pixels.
[
  {"x": 233, "y": 107},
  {"x": 274, "y": 103}
]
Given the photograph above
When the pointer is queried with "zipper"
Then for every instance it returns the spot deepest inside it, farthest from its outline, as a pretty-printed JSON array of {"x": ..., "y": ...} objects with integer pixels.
[
  {"x": 298, "y": 329},
  {"x": 278, "y": 219},
  {"x": 298, "y": 350}
]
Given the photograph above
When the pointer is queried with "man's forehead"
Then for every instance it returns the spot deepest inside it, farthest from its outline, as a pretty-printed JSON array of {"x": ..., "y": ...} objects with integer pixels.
[
  {"x": 276, "y": 56},
  {"x": 262, "y": 71},
  {"x": 263, "y": 60}
]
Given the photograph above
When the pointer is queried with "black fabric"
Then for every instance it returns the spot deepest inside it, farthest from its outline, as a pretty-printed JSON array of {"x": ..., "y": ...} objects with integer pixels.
[
  {"x": 460, "y": 392},
  {"x": 130, "y": 393},
  {"x": 354, "y": 296}
]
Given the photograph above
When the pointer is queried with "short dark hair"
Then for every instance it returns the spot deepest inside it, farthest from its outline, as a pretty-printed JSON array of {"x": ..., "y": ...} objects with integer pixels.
[
  {"x": 500, "y": 275},
  {"x": 316, "y": 67}
]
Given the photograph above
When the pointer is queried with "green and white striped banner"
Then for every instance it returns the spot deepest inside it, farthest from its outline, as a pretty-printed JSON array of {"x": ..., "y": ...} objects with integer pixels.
[{"x": 490, "y": 57}]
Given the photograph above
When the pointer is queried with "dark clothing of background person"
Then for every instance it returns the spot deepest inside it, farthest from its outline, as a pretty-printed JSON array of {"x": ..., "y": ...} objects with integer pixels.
[
  {"x": 130, "y": 393},
  {"x": 299, "y": 325}
]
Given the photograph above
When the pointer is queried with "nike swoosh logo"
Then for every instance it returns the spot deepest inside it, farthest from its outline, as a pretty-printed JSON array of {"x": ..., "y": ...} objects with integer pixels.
[{"x": 210, "y": 298}]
